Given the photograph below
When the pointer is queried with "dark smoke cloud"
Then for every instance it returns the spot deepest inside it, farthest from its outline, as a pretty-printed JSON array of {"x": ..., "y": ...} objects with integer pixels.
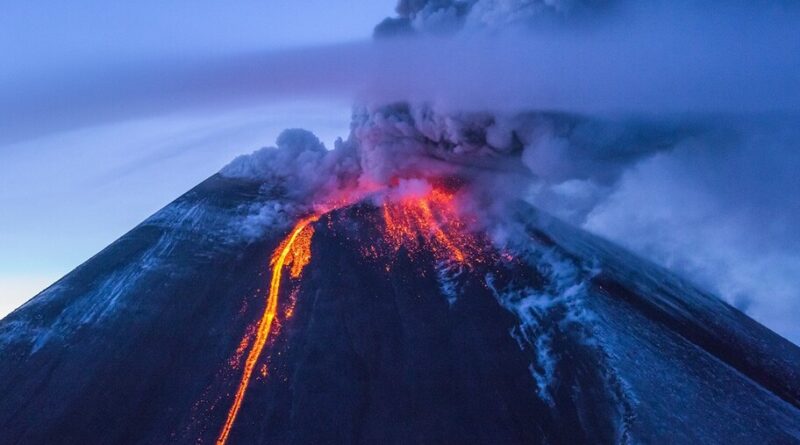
[
  {"x": 450, "y": 16},
  {"x": 447, "y": 16}
]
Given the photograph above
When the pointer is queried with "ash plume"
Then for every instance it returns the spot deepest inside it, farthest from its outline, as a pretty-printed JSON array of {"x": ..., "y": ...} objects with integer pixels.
[
  {"x": 656, "y": 143},
  {"x": 657, "y": 186},
  {"x": 443, "y": 16}
]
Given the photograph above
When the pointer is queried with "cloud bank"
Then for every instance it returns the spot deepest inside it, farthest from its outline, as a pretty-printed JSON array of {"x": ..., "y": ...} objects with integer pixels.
[{"x": 672, "y": 58}]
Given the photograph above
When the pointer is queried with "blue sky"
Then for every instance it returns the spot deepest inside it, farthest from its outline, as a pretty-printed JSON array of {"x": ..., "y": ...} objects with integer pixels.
[{"x": 69, "y": 188}]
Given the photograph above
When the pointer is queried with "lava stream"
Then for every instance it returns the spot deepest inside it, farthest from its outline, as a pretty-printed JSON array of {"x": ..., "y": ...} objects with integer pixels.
[
  {"x": 431, "y": 218},
  {"x": 294, "y": 251}
]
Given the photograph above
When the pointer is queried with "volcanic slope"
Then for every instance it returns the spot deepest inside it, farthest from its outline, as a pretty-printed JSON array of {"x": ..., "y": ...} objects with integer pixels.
[{"x": 383, "y": 333}]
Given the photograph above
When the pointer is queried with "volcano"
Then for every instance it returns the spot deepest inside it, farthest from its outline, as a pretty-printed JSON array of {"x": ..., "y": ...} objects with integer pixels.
[{"x": 383, "y": 322}]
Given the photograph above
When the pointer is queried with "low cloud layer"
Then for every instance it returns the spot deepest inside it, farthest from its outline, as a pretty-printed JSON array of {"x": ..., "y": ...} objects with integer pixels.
[{"x": 676, "y": 59}]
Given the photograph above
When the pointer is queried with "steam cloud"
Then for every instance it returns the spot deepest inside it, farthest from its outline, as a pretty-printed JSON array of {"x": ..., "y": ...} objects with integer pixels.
[{"x": 676, "y": 134}]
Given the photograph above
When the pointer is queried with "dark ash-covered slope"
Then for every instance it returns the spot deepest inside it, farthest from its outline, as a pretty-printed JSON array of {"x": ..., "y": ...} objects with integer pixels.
[{"x": 571, "y": 340}]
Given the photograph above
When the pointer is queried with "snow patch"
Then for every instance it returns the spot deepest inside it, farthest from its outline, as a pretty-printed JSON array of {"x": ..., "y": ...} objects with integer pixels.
[
  {"x": 447, "y": 274},
  {"x": 558, "y": 306}
]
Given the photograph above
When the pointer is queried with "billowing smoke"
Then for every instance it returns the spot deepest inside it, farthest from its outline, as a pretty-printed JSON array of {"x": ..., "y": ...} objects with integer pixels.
[
  {"x": 675, "y": 133},
  {"x": 721, "y": 210},
  {"x": 444, "y": 16}
]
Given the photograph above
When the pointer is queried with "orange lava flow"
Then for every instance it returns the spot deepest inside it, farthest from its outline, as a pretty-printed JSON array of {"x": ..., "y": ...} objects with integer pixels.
[
  {"x": 429, "y": 220},
  {"x": 432, "y": 218},
  {"x": 294, "y": 251}
]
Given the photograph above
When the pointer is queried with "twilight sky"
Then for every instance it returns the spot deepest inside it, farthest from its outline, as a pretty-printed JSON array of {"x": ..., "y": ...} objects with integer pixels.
[{"x": 70, "y": 186}]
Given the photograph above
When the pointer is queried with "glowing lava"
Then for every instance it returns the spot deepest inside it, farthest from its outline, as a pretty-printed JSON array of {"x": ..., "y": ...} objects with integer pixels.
[
  {"x": 432, "y": 218},
  {"x": 429, "y": 217},
  {"x": 294, "y": 251}
]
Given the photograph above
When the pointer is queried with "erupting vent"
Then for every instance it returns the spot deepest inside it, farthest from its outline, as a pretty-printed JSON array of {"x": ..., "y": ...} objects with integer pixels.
[{"x": 430, "y": 221}]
